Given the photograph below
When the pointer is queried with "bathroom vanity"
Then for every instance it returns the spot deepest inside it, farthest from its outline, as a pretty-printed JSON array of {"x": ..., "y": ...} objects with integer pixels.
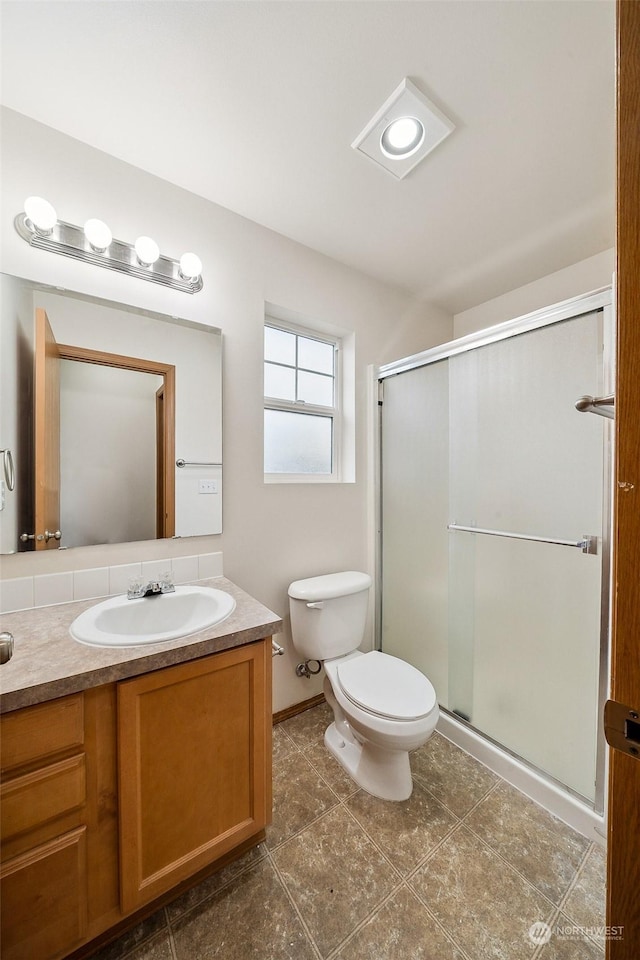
[{"x": 129, "y": 775}]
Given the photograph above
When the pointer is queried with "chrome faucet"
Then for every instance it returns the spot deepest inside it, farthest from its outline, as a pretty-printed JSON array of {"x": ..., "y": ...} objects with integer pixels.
[{"x": 154, "y": 588}]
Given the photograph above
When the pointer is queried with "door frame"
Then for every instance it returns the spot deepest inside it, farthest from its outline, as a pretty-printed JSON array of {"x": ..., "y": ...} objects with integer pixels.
[{"x": 623, "y": 855}]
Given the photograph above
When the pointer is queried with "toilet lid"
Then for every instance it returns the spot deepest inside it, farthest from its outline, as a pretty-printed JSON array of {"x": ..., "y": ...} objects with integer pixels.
[{"x": 386, "y": 686}]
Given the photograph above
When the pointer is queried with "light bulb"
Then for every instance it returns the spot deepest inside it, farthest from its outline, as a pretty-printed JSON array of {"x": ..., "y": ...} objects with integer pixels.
[
  {"x": 147, "y": 251},
  {"x": 402, "y": 137},
  {"x": 40, "y": 214},
  {"x": 190, "y": 266},
  {"x": 98, "y": 235}
]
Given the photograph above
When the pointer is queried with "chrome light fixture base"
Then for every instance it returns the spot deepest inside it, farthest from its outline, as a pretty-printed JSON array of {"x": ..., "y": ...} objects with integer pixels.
[{"x": 69, "y": 240}]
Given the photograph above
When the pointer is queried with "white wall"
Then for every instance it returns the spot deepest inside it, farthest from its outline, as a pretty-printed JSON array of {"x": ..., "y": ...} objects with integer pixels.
[
  {"x": 573, "y": 281},
  {"x": 272, "y": 534}
]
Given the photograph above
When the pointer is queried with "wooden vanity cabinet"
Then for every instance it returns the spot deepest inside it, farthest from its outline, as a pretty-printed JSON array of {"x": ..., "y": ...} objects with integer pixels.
[
  {"x": 58, "y": 824},
  {"x": 113, "y": 797},
  {"x": 193, "y": 748}
]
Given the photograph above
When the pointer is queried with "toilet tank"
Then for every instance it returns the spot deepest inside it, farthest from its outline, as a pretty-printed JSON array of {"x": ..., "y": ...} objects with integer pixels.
[{"x": 328, "y": 614}]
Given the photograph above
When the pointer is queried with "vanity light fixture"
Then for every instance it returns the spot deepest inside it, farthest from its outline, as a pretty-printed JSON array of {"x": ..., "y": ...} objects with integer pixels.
[
  {"x": 190, "y": 266},
  {"x": 405, "y": 129},
  {"x": 147, "y": 251},
  {"x": 40, "y": 215},
  {"x": 39, "y": 226},
  {"x": 98, "y": 235}
]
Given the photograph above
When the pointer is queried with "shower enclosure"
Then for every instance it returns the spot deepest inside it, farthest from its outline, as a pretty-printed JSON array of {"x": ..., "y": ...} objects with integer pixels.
[{"x": 494, "y": 532}]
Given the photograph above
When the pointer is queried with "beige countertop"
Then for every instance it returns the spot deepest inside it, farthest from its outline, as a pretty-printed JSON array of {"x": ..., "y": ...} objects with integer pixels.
[{"x": 48, "y": 663}]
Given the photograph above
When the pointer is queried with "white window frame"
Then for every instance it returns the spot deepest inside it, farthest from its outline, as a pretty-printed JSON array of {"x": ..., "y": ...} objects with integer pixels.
[{"x": 301, "y": 406}]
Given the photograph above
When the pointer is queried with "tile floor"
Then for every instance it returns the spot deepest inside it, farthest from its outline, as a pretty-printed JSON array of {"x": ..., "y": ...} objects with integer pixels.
[{"x": 460, "y": 871}]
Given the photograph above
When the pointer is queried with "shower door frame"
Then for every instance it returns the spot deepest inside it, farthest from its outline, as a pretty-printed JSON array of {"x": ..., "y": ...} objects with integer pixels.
[{"x": 600, "y": 299}]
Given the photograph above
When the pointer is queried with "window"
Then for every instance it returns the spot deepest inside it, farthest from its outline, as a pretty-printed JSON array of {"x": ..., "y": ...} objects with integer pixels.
[{"x": 301, "y": 400}]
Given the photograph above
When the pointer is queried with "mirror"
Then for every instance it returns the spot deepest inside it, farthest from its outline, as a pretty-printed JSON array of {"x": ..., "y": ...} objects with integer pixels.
[{"x": 110, "y": 422}]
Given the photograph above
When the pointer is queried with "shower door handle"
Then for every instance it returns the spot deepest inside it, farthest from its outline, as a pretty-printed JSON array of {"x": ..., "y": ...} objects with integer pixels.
[{"x": 603, "y": 406}]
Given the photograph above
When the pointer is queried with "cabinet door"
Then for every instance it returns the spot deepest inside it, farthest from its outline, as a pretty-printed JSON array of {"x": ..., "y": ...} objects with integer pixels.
[
  {"x": 193, "y": 755},
  {"x": 44, "y": 899}
]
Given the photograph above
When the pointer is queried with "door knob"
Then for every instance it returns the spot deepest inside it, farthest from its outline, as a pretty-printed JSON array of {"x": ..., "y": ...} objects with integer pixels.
[
  {"x": 27, "y": 536},
  {"x": 52, "y": 536}
]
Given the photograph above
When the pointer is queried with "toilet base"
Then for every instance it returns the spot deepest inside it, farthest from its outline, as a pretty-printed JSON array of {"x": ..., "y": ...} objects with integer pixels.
[{"x": 383, "y": 773}]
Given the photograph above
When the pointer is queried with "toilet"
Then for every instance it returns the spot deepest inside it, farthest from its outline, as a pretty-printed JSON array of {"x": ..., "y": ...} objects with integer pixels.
[{"x": 382, "y": 706}]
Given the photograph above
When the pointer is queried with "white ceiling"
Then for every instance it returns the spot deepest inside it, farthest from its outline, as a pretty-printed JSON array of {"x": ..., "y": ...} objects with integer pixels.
[{"x": 254, "y": 105}]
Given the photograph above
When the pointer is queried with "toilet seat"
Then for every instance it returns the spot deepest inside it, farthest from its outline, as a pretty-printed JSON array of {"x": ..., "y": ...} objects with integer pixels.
[{"x": 385, "y": 686}]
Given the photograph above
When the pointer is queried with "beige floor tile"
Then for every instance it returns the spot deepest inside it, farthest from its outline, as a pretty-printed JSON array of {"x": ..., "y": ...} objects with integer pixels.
[
  {"x": 540, "y": 846},
  {"x": 299, "y": 796},
  {"x": 157, "y": 949},
  {"x": 205, "y": 889},
  {"x": 250, "y": 919},
  {"x": 308, "y": 727},
  {"x": 283, "y": 745},
  {"x": 569, "y": 944},
  {"x": 329, "y": 768},
  {"x": 400, "y": 930},
  {"x": 485, "y": 906},
  {"x": 406, "y": 831},
  {"x": 335, "y": 875},
  {"x": 585, "y": 905},
  {"x": 451, "y": 775}
]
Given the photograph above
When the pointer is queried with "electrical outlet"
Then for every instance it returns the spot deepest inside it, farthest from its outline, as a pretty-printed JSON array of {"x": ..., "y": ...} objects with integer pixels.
[{"x": 207, "y": 486}]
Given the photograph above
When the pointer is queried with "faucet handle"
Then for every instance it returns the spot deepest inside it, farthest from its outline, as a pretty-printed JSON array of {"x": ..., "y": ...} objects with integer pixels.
[
  {"x": 166, "y": 582},
  {"x": 136, "y": 588}
]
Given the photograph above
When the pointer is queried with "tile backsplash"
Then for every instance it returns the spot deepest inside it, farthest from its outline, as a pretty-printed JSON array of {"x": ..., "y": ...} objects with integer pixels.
[{"x": 22, "y": 593}]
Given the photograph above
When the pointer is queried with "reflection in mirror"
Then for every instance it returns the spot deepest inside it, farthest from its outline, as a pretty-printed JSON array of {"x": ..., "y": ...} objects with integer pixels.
[{"x": 98, "y": 400}]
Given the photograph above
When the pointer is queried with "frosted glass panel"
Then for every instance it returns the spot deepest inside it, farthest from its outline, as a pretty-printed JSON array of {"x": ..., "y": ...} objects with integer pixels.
[
  {"x": 297, "y": 443},
  {"x": 535, "y": 676},
  {"x": 315, "y": 388},
  {"x": 522, "y": 457},
  {"x": 415, "y": 456},
  {"x": 507, "y": 630},
  {"x": 279, "y": 346},
  {"x": 279, "y": 382},
  {"x": 525, "y": 616},
  {"x": 315, "y": 355}
]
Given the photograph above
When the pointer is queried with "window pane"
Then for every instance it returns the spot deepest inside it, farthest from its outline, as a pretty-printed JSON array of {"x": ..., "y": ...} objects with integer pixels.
[
  {"x": 297, "y": 443},
  {"x": 279, "y": 346},
  {"x": 315, "y": 355},
  {"x": 279, "y": 382},
  {"x": 314, "y": 388}
]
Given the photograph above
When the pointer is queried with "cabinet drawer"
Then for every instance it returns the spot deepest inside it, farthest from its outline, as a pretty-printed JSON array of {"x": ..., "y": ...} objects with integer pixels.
[
  {"x": 42, "y": 795},
  {"x": 44, "y": 899},
  {"x": 35, "y": 733}
]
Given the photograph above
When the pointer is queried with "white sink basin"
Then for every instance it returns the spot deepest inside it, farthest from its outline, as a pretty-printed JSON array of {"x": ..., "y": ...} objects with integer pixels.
[{"x": 120, "y": 622}]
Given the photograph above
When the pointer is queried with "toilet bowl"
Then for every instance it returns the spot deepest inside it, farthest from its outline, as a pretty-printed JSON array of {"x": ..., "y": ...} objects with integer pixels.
[{"x": 383, "y": 707}]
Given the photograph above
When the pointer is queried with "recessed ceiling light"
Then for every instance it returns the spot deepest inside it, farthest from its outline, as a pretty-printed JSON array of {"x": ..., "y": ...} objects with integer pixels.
[
  {"x": 402, "y": 137},
  {"x": 405, "y": 129}
]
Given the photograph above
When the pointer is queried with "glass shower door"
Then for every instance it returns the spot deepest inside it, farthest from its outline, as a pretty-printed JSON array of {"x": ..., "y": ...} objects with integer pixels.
[{"x": 505, "y": 621}]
